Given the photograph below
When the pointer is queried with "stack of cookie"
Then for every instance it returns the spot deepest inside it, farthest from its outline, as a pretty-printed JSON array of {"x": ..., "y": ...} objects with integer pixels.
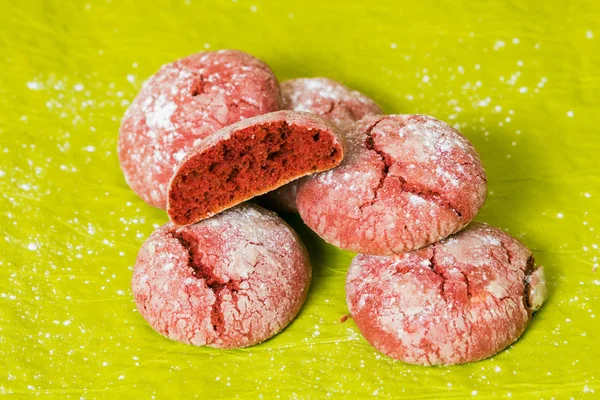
[{"x": 215, "y": 129}]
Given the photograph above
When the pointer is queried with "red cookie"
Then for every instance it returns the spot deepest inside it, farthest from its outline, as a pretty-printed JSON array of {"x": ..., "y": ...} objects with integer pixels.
[
  {"x": 456, "y": 301},
  {"x": 230, "y": 281},
  {"x": 184, "y": 102},
  {"x": 406, "y": 181},
  {"x": 248, "y": 159},
  {"x": 329, "y": 99}
]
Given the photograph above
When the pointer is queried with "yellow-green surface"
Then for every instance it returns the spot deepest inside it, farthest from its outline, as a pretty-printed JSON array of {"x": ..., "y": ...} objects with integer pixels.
[{"x": 521, "y": 79}]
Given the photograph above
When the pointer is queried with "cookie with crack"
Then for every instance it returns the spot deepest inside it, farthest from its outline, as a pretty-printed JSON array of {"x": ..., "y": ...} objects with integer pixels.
[
  {"x": 230, "y": 281},
  {"x": 406, "y": 181},
  {"x": 328, "y": 99},
  {"x": 460, "y": 300},
  {"x": 184, "y": 102}
]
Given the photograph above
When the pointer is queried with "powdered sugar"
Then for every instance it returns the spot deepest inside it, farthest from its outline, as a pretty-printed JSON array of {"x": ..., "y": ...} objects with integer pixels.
[
  {"x": 327, "y": 98},
  {"x": 158, "y": 115}
]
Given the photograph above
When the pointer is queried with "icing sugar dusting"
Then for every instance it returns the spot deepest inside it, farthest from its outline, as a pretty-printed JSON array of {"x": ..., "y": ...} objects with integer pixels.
[
  {"x": 159, "y": 115},
  {"x": 324, "y": 88},
  {"x": 416, "y": 200},
  {"x": 327, "y": 98}
]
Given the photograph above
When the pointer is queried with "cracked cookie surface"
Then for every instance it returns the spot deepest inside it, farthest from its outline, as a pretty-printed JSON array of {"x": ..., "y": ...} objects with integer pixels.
[
  {"x": 230, "y": 281},
  {"x": 460, "y": 300},
  {"x": 184, "y": 102},
  {"x": 328, "y": 99},
  {"x": 406, "y": 181}
]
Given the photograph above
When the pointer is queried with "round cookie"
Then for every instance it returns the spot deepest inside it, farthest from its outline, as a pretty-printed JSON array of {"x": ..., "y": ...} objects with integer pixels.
[
  {"x": 184, "y": 102},
  {"x": 230, "y": 281},
  {"x": 328, "y": 99},
  {"x": 406, "y": 181},
  {"x": 460, "y": 300}
]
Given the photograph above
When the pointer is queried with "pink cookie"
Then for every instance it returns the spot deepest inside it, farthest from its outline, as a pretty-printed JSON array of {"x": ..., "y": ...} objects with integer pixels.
[
  {"x": 459, "y": 300},
  {"x": 230, "y": 281},
  {"x": 329, "y": 99},
  {"x": 406, "y": 181},
  {"x": 184, "y": 102},
  {"x": 248, "y": 159}
]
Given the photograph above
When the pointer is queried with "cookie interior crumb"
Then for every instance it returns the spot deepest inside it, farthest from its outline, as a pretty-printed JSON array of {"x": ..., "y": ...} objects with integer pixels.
[{"x": 252, "y": 161}]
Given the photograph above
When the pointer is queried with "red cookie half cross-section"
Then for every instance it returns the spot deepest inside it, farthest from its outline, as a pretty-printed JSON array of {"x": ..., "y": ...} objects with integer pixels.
[{"x": 248, "y": 159}]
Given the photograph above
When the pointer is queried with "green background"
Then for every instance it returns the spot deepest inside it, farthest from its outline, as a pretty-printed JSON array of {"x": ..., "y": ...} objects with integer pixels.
[{"x": 520, "y": 79}]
